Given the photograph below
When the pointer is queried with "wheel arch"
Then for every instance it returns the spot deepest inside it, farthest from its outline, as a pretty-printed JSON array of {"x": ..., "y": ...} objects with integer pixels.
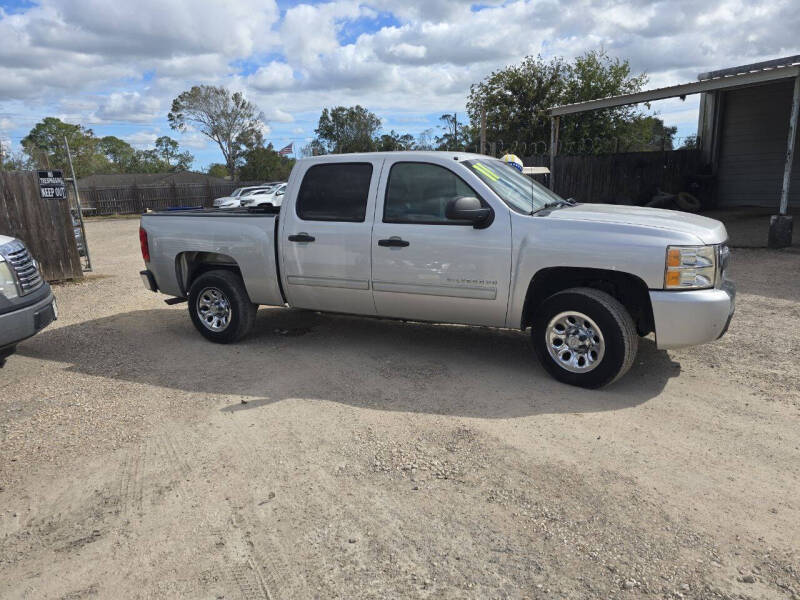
[
  {"x": 191, "y": 264},
  {"x": 630, "y": 290}
]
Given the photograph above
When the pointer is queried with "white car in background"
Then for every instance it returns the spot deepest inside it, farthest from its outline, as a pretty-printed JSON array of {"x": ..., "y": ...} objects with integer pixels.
[
  {"x": 234, "y": 200},
  {"x": 268, "y": 196}
]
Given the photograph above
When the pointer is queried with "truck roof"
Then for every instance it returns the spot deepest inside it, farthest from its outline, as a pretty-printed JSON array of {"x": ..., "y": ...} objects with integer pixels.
[{"x": 407, "y": 155}]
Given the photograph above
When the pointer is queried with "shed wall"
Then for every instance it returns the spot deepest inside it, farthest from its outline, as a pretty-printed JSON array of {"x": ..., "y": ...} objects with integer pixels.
[{"x": 752, "y": 150}]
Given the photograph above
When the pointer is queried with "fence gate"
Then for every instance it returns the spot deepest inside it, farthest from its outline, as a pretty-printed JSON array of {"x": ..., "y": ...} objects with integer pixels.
[{"x": 40, "y": 217}]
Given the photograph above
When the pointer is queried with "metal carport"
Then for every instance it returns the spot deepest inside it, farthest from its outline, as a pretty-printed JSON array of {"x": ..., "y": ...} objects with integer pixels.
[{"x": 710, "y": 85}]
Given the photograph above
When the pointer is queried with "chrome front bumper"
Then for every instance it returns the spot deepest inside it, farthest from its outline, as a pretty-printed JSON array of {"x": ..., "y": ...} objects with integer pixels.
[{"x": 693, "y": 317}]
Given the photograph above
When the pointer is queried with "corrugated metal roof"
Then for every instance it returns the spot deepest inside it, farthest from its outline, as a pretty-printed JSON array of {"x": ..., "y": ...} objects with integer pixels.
[
  {"x": 755, "y": 74},
  {"x": 765, "y": 65}
]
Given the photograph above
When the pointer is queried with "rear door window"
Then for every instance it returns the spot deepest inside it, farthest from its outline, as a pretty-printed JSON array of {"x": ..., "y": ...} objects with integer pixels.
[{"x": 335, "y": 192}]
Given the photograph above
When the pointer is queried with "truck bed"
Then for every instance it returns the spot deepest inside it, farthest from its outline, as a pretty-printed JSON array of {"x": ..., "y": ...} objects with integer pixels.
[{"x": 233, "y": 238}]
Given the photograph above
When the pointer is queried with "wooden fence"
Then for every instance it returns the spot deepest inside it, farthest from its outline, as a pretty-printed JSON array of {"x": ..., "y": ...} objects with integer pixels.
[
  {"x": 624, "y": 178},
  {"x": 135, "y": 199},
  {"x": 44, "y": 225}
]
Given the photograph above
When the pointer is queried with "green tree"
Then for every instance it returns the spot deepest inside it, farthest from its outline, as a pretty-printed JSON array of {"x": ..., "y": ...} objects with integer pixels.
[
  {"x": 264, "y": 164},
  {"x": 119, "y": 153},
  {"x": 44, "y": 145},
  {"x": 389, "y": 142},
  {"x": 169, "y": 151},
  {"x": 14, "y": 161},
  {"x": 231, "y": 121},
  {"x": 424, "y": 140},
  {"x": 346, "y": 129},
  {"x": 218, "y": 170},
  {"x": 644, "y": 134},
  {"x": 691, "y": 142},
  {"x": 455, "y": 135},
  {"x": 516, "y": 100},
  {"x": 147, "y": 161}
]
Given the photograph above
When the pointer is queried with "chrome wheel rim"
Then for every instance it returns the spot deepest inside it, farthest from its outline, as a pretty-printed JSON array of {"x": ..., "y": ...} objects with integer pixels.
[
  {"x": 214, "y": 309},
  {"x": 575, "y": 342}
]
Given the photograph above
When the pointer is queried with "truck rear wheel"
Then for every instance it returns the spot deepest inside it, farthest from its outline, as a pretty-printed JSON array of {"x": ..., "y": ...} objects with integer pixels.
[
  {"x": 584, "y": 337},
  {"x": 220, "y": 308}
]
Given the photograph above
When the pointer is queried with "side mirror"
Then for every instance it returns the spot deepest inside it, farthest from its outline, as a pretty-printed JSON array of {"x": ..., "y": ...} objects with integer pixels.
[
  {"x": 280, "y": 192},
  {"x": 469, "y": 208}
]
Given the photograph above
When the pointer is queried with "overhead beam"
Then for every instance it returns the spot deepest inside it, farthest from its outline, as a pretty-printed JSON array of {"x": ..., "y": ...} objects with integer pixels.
[{"x": 674, "y": 91}]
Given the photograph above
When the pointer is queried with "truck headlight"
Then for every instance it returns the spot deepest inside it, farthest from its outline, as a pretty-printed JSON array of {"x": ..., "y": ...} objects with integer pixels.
[
  {"x": 690, "y": 267},
  {"x": 8, "y": 285}
]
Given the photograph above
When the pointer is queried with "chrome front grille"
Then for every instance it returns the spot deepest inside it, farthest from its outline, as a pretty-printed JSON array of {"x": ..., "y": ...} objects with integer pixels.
[{"x": 21, "y": 262}]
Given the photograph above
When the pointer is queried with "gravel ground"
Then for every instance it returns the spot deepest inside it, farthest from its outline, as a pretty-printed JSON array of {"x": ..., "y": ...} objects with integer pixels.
[{"x": 336, "y": 457}]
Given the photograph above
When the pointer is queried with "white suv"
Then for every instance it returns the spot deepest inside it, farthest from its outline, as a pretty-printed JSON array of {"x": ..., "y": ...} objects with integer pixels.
[
  {"x": 272, "y": 196},
  {"x": 235, "y": 199}
]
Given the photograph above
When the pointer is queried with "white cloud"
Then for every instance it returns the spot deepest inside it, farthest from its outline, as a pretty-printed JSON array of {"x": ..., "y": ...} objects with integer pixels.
[
  {"x": 404, "y": 50},
  {"x": 143, "y": 139},
  {"x": 272, "y": 77},
  {"x": 194, "y": 140},
  {"x": 91, "y": 60},
  {"x": 129, "y": 106},
  {"x": 276, "y": 115},
  {"x": 310, "y": 31}
]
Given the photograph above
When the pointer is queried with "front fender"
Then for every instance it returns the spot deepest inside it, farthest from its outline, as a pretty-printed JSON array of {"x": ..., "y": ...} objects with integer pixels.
[{"x": 540, "y": 243}]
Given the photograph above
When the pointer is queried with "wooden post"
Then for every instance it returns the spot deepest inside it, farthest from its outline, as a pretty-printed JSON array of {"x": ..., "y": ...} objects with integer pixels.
[
  {"x": 787, "y": 169},
  {"x": 780, "y": 225},
  {"x": 553, "y": 148}
]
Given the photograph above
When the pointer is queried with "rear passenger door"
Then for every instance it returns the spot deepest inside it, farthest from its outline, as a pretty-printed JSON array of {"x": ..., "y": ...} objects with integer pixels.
[{"x": 326, "y": 233}]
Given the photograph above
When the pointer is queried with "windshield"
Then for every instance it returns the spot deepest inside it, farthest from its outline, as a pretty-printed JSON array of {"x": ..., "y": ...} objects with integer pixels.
[{"x": 519, "y": 192}]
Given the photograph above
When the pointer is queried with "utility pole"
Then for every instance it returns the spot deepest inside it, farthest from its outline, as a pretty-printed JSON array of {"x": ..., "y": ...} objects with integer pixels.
[
  {"x": 78, "y": 204},
  {"x": 483, "y": 130},
  {"x": 554, "y": 121}
]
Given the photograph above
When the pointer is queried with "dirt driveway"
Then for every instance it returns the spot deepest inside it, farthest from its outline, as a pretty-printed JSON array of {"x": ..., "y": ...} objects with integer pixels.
[{"x": 337, "y": 457}]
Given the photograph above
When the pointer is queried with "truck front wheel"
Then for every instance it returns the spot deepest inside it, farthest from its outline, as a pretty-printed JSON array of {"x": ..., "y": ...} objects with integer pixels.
[
  {"x": 220, "y": 308},
  {"x": 584, "y": 337}
]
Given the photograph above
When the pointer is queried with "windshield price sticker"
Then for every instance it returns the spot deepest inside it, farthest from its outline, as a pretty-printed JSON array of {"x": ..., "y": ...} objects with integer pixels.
[
  {"x": 486, "y": 171},
  {"x": 51, "y": 185}
]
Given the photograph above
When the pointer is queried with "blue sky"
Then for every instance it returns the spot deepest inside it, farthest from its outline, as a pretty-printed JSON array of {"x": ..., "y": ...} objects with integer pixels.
[{"x": 115, "y": 67}]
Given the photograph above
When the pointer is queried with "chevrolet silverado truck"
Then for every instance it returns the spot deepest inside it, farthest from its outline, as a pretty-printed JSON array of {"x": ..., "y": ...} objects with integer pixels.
[
  {"x": 451, "y": 238},
  {"x": 27, "y": 304}
]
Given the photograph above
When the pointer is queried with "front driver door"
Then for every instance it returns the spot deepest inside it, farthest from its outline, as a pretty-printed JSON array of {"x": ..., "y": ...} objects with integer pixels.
[{"x": 428, "y": 267}]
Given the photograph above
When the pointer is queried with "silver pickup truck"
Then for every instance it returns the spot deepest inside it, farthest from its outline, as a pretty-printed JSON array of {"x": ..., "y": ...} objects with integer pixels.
[
  {"x": 27, "y": 304},
  {"x": 452, "y": 238}
]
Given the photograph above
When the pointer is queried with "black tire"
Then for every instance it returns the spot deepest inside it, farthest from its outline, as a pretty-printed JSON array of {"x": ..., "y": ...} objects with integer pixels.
[
  {"x": 5, "y": 353},
  {"x": 618, "y": 334},
  {"x": 242, "y": 312}
]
